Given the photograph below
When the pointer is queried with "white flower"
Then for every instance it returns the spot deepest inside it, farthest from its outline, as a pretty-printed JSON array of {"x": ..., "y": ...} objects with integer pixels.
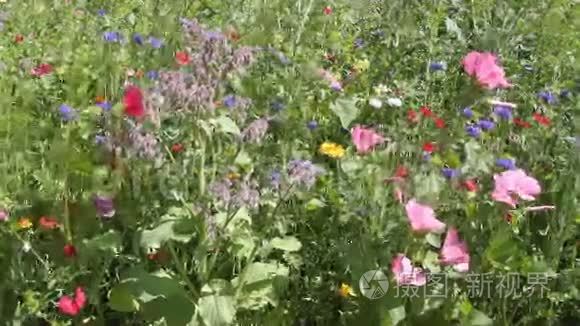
[
  {"x": 381, "y": 89},
  {"x": 393, "y": 101},
  {"x": 26, "y": 246},
  {"x": 375, "y": 103}
]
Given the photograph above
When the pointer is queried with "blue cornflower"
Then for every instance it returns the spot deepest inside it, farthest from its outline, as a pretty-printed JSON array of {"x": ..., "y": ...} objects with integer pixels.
[
  {"x": 312, "y": 124},
  {"x": 506, "y": 163},
  {"x": 152, "y": 74},
  {"x": 155, "y": 42},
  {"x": 359, "y": 43},
  {"x": 468, "y": 113},
  {"x": 473, "y": 130},
  {"x": 67, "y": 113},
  {"x": 230, "y": 101},
  {"x": 437, "y": 66},
  {"x": 449, "y": 173},
  {"x": 504, "y": 112},
  {"x": 547, "y": 97},
  {"x": 486, "y": 124},
  {"x": 426, "y": 156},
  {"x": 277, "y": 106},
  {"x": 565, "y": 93},
  {"x": 105, "y": 105},
  {"x": 112, "y": 37},
  {"x": 101, "y": 12},
  {"x": 100, "y": 139},
  {"x": 138, "y": 39}
]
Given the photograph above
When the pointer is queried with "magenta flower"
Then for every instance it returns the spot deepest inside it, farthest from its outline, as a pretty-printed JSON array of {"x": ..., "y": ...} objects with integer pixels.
[
  {"x": 422, "y": 218},
  {"x": 454, "y": 252},
  {"x": 405, "y": 273},
  {"x": 365, "y": 139},
  {"x": 483, "y": 66},
  {"x": 513, "y": 185}
]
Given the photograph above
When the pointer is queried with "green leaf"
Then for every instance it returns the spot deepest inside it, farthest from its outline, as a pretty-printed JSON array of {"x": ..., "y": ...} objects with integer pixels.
[
  {"x": 452, "y": 27},
  {"x": 227, "y": 125},
  {"x": 286, "y": 244},
  {"x": 397, "y": 314},
  {"x": 346, "y": 110},
  {"x": 427, "y": 188},
  {"x": 433, "y": 239},
  {"x": 314, "y": 204},
  {"x": 164, "y": 232},
  {"x": 478, "y": 318},
  {"x": 121, "y": 299},
  {"x": 477, "y": 160},
  {"x": 108, "y": 242},
  {"x": 216, "y": 310}
]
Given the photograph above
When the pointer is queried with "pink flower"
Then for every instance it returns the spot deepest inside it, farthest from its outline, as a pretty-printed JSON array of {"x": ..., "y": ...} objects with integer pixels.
[
  {"x": 365, "y": 139},
  {"x": 454, "y": 252},
  {"x": 405, "y": 273},
  {"x": 422, "y": 218},
  {"x": 512, "y": 185},
  {"x": 483, "y": 66},
  {"x": 72, "y": 306}
]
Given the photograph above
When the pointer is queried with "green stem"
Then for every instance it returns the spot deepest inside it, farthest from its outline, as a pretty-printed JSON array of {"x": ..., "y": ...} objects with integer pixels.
[
  {"x": 202, "y": 168},
  {"x": 182, "y": 272}
]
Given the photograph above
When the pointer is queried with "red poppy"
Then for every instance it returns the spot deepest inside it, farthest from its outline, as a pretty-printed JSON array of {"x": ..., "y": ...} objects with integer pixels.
[
  {"x": 542, "y": 119},
  {"x": 327, "y": 10},
  {"x": 412, "y": 116},
  {"x": 182, "y": 57},
  {"x": 439, "y": 123},
  {"x": 429, "y": 147},
  {"x": 152, "y": 256},
  {"x": 521, "y": 123},
  {"x": 177, "y": 148},
  {"x": 426, "y": 111},
  {"x": 41, "y": 70},
  {"x": 48, "y": 223},
  {"x": 133, "y": 101},
  {"x": 18, "y": 38},
  {"x": 401, "y": 172},
  {"x": 470, "y": 185},
  {"x": 69, "y": 250}
]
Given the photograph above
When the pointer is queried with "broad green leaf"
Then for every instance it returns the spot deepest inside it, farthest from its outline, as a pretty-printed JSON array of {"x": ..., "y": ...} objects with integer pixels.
[
  {"x": 397, "y": 314},
  {"x": 433, "y": 239},
  {"x": 452, "y": 27},
  {"x": 227, "y": 125},
  {"x": 286, "y": 244},
  {"x": 121, "y": 299},
  {"x": 164, "y": 232},
  {"x": 110, "y": 241},
  {"x": 478, "y": 318},
  {"x": 217, "y": 310},
  {"x": 477, "y": 161},
  {"x": 428, "y": 187},
  {"x": 314, "y": 204},
  {"x": 346, "y": 110}
]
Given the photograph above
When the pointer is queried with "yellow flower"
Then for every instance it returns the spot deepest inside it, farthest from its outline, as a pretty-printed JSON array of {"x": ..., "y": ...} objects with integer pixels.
[
  {"x": 233, "y": 176},
  {"x": 24, "y": 223},
  {"x": 362, "y": 65},
  {"x": 346, "y": 291},
  {"x": 332, "y": 150}
]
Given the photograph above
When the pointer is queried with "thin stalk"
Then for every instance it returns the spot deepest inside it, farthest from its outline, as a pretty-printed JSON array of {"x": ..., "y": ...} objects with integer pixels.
[{"x": 182, "y": 272}]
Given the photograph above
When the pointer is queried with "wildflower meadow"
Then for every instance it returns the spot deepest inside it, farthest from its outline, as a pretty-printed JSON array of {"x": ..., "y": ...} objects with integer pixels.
[{"x": 277, "y": 162}]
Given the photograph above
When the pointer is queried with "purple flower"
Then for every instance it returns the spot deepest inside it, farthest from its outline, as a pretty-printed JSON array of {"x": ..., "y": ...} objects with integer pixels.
[
  {"x": 473, "y": 130},
  {"x": 100, "y": 139},
  {"x": 255, "y": 132},
  {"x": 104, "y": 206},
  {"x": 152, "y": 74},
  {"x": 547, "y": 97},
  {"x": 437, "y": 66},
  {"x": 275, "y": 179},
  {"x": 449, "y": 173},
  {"x": 112, "y": 37},
  {"x": 101, "y": 12},
  {"x": 359, "y": 43},
  {"x": 67, "y": 113},
  {"x": 468, "y": 113},
  {"x": 336, "y": 86},
  {"x": 277, "y": 106},
  {"x": 155, "y": 42},
  {"x": 247, "y": 195},
  {"x": 426, "y": 156},
  {"x": 138, "y": 39},
  {"x": 4, "y": 215},
  {"x": 230, "y": 101},
  {"x": 506, "y": 163},
  {"x": 303, "y": 172},
  {"x": 504, "y": 112},
  {"x": 486, "y": 124},
  {"x": 106, "y": 106},
  {"x": 222, "y": 191},
  {"x": 312, "y": 124}
]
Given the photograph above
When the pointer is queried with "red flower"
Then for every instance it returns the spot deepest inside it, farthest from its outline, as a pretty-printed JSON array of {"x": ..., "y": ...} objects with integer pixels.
[
  {"x": 470, "y": 185},
  {"x": 521, "y": 123},
  {"x": 48, "y": 223},
  {"x": 18, "y": 38},
  {"x": 177, "y": 148},
  {"x": 542, "y": 119},
  {"x": 69, "y": 250},
  {"x": 439, "y": 123},
  {"x": 327, "y": 10},
  {"x": 41, "y": 70},
  {"x": 412, "y": 116},
  {"x": 401, "y": 172},
  {"x": 508, "y": 218},
  {"x": 429, "y": 147},
  {"x": 72, "y": 306},
  {"x": 133, "y": 101},
  {"x": 182, "y": 57},
  {"x": 426, "y": 111}
]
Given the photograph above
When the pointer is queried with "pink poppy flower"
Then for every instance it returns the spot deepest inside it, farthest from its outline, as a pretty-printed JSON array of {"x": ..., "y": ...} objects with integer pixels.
[
  {"x": 72, "y": 306},
  {"x": 41, "y": 70},
  {"x": 483, "y": 66},
  {"x": 512, "y": 185},
  {"x": 422, "y": 218},
  {"x": 454, "y": 252},
  {"x": 405, "y": 273},
  {"x": 365, "y": 139}
]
